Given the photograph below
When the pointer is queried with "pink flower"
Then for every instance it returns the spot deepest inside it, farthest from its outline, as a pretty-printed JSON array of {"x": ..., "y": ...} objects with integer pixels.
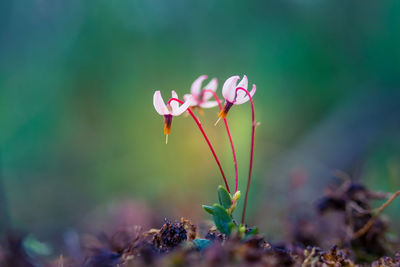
[
  {"x": 232, "y": 95},
  {"x": 201, "y": 98},
  {"x": 169, "y": 110}
]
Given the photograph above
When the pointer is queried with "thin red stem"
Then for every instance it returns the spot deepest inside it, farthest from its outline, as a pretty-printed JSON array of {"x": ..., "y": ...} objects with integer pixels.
[
  {"x": 229, "y": 135},
  {"x": 207, "y": 140},
  {"x": 253, "y": 128}
]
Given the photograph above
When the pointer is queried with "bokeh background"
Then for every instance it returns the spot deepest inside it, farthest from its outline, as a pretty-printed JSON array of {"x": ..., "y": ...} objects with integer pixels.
[{"x": 81, "y": 144}]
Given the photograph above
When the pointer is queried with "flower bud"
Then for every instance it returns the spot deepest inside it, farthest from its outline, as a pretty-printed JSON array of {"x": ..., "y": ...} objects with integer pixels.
[{"x": 236, "y": 196}]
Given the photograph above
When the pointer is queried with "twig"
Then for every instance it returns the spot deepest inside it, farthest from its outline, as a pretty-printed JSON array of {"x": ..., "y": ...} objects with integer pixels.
[
  {"x": 371, "y": 221},
  {"x": 349, "y": 227},
  {"x": 358, "y": 208},
  {"x": 61, "y": 261}
]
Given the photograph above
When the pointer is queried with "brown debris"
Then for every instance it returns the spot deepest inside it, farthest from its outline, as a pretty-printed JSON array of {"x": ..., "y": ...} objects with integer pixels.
[
  {"x": 172, "y": 234},
  {"x": 352, "y": 201},
  {"x": 172, "y": 244}
]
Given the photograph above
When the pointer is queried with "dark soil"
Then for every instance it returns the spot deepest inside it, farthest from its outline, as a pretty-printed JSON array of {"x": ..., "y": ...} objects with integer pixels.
[{"x": 348, "y": 207}]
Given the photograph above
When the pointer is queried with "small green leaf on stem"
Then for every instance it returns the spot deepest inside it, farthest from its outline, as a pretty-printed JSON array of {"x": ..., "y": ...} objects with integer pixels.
[
  {"x": 222, "y": 219},
  {"x": 201, "y": 243},
  {"x": 224, "y": 197},
  {"x": 208, "y": 209}
]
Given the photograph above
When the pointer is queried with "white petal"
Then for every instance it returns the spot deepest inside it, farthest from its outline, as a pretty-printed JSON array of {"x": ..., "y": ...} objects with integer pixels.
[
  {"x": 209, "y": 104},
  {"x": 159, "y": 104},
  {"x": 246, "y": 98},
  {"x": 182, "y": 108},
  {"x": 212, "y": 85},
  {"x": 196, "y": 85},
  {"x": 187, "y": 97},
  {"x": 228, "y": 90},
  {"x": 244, "y": 84},
  {"x": 174, "y": 104}
]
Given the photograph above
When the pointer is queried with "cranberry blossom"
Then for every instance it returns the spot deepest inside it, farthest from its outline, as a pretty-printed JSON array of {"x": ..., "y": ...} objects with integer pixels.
[
  {"x": 232, "y": 94},
  {"x": 200, "y": 95},
  {"x": 169, "y": 110}
]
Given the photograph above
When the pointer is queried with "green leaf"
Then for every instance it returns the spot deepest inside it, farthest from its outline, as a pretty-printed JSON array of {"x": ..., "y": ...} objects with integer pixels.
[
  {"x": 224, "y": 197},
  {"x": 201, "y": 243},
  {"x": 252, "y": 231},
  {"x": 222, "y": 219},
  {"x": 35, "y": 247},
  {"x": 233, "y": 227},
  {"x": 209, "y": 209}
]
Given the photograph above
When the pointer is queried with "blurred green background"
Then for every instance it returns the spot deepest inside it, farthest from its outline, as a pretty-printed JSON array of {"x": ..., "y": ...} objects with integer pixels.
[{"x": 79, "y": 131}]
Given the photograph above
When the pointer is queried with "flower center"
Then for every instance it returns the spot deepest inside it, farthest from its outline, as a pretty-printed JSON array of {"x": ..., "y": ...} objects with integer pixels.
[
  {"x": 167, "y": 124},
  {"x": 225, "y": 110}
]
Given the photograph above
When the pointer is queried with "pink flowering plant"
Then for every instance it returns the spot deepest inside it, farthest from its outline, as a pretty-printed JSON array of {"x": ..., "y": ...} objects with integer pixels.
[{"x": 200, "y": 98}]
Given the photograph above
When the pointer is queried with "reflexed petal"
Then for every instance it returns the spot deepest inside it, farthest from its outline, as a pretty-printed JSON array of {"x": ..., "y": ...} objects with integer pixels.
[
  {"x": 209, "y": 104},
  {"x": 228, "y": 90},
  {"x": 212, "y": 85},
  {"x": 174, "y": 104},
  {"x": 246, "y": 98},
  {"x": 243, "y": 83},
  {"x": 253, "y": 90},
  {"x": 182, "y": 108},
  {"x": 196, "y": 86},
  {"x": 159, "y": 104}
]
